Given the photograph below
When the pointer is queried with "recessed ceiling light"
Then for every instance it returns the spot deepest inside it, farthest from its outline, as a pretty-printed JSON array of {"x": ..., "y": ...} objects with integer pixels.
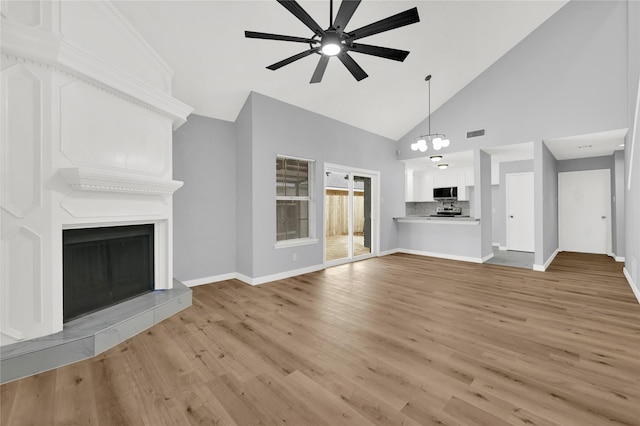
[
  {"x": 443, "y": 166},
  {"x": 436, "y": 158}
]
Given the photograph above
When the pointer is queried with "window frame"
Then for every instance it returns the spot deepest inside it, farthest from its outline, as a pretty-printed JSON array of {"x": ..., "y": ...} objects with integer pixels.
[{"x": 311, "y": 238}]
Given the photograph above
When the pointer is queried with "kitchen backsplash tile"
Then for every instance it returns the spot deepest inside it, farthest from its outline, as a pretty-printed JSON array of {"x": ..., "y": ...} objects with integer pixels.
[{"x": 427, "y": 208}]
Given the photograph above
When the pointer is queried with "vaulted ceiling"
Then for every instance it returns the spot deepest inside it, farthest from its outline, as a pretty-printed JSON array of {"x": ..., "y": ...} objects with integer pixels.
[{"x": 216, "y": 67}]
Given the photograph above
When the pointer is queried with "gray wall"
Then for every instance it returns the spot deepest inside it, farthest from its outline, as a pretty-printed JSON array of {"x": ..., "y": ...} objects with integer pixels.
[
  {"x": 501, "y": 204},
  {"x": 561, "y": 80},
  {"x": 619, "y": 229},
  {"x": 632, "y": 151},
  {"x": 280, "y": 128},
  {"x": 244, "y": 187},
  {"x": 482, "y": 199},
  {"x": 545, "y": 184},
  {"x": 497, "y": 215},
  {"x": 204, "y": 210}
]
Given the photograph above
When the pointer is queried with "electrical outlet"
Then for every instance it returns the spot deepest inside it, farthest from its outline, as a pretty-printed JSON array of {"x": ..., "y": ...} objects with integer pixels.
[{"x": 294, "y": 257}]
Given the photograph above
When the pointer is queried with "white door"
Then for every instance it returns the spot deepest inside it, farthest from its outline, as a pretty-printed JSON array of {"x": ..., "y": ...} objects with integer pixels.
[
  {"x": 584, "y": 211},
  {"x": 519, "y": 208}
]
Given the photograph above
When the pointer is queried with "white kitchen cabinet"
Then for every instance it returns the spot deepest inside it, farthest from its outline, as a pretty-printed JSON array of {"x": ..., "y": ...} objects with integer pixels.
[
  {"x": 424, "y": 191},
  {"x": 418, "y": 186}
]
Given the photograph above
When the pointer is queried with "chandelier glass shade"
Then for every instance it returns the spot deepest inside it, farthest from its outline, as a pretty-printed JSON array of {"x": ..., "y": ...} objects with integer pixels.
[{"x": 438, "y": 140}]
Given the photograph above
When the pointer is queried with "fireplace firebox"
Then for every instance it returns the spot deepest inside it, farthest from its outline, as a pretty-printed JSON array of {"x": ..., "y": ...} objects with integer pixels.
[{"x": 105, "y": 266}]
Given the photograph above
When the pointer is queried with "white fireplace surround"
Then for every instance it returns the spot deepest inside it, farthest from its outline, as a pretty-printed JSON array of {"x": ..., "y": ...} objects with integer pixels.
[{"x": 86, "y": 138}]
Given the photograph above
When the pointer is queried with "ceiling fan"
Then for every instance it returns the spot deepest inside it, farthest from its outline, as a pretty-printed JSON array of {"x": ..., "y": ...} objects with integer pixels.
[{"x": 335, "y": 41}]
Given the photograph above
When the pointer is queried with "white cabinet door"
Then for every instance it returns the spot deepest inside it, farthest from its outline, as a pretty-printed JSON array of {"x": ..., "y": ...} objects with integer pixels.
[
  {"x": 427, "y": 188},
  {"x": 409, "y": 190},
  {"x": 462, "y": 187},
  {"x": 422, "y": 187}
]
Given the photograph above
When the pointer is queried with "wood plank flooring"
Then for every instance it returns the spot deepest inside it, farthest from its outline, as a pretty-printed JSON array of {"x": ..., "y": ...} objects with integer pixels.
[{"x": 397, "y": 340}]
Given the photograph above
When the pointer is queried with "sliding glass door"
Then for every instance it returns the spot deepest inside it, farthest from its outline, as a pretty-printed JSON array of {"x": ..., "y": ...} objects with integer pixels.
[{"x": 350, "y": 205}]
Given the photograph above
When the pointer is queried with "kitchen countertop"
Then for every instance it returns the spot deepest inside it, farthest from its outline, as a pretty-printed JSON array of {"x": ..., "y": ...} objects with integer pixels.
[{"x": 460, "y": 220}]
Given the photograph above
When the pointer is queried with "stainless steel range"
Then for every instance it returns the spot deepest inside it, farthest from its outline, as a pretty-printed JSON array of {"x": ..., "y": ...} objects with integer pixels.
[{"x": 447, "y": 211}]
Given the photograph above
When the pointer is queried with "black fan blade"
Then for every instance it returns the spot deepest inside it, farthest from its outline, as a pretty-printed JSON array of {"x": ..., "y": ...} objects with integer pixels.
[
  {"x": 293, "y": 7},
  {"x": 392, "y": 22},
  {"x": 319, "y": 72},
  {"x": 355, "y": 70},
  {"x": 347, "y": 7},
  {"x": 383, "y": 52},
  {"x": 267, "y": 36},
  {"x": 292, "y": 59}
]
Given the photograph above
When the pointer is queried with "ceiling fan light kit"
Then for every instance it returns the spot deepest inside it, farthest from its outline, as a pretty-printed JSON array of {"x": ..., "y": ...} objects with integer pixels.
[
  {"x": 438, "y": 140},
  {"x": 335, "y": 41}
]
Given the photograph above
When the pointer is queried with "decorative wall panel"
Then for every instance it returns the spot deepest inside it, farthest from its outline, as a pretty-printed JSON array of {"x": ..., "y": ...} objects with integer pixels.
[
  {"x": 22, "y": 289},
  {"x": 21, "y": 140},
  {"x": 99, "y": 29},
  {"x": 26, "y": 12},
  {"x": 98, "y": 129},
  {"x": 84, "y": 204}
]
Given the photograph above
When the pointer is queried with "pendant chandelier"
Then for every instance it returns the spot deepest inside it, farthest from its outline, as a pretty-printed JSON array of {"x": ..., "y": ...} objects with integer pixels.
[{"x": 438, "y": 140}]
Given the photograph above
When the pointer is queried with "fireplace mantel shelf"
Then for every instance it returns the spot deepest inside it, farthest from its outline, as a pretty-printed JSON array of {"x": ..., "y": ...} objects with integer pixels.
[{"x": 88, "y": 179}]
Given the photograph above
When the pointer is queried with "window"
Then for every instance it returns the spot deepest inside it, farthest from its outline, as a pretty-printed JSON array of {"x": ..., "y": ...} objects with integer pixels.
[{"x": 293, "y": 198}]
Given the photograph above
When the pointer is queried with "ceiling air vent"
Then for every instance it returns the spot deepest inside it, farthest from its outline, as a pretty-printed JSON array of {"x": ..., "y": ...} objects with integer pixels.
[{"x": 475, "y": 133}]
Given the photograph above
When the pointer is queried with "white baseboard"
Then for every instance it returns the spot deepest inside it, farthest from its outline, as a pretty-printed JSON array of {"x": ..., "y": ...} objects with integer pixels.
[
  {"x": 252, "y": 281},
  {"x": 388, "y": 252},
  {"x": 211, "y": 279},
  {"x": 542, "y": 268},
  {"x": 619, "y": 258},
  {"x": 503, "y": 248},
  {"x": 487, "y": 257},
  {"x": 495, "y": 244},
  {"x": 634, "y": 288},
  {"x": 443, "y": 255}
]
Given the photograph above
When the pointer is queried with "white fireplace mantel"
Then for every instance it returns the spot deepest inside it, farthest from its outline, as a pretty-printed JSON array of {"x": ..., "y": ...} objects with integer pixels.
[
  {"x": 86, "y": 125},
  {"x": 88, "y": 179}
]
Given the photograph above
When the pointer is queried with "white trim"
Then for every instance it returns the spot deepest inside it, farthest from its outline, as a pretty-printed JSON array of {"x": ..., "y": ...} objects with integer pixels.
[
  {"x": 634, "y": 288},
  {"x": 542, "y": 268},
  {"x": 294, "y": 243},
  {"x": 291, "y": 157},
  {"x": 619, "y": 258},
  {"x": 388, "y": 252},
  {"x": 487, "y": 257},
  {"x": 209, "y": 280},
  {"x": 88, "y": 179},
  {"x": 503, "y": 248},
  {"x": 495, "y": 244},
  {"x": 443, "y": 255},
  {"x": 279, "y": 276}
]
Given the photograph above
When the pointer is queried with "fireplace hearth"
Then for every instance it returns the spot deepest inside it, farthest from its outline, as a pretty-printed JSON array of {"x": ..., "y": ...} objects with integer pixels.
[{"x": 105, "y": 266}]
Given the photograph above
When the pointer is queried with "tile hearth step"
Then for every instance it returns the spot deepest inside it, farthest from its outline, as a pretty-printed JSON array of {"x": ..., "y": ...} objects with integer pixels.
[{"x": 92, "y": 334}]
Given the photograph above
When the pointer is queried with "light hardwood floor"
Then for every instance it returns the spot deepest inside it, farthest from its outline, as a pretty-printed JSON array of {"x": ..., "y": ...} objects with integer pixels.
[
  {"x": 336, "y": 246},
  {"x": 397, "y": 340}
]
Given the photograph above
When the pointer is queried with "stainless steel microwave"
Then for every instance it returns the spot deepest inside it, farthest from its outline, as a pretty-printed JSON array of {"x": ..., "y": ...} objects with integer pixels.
[{"x": 449, "y": 193}]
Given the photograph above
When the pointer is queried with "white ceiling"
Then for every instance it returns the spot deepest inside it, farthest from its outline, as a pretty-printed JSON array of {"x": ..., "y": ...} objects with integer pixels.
[
  {"x": 216, "y": 67},
  {"x": 584, "y": 146}
]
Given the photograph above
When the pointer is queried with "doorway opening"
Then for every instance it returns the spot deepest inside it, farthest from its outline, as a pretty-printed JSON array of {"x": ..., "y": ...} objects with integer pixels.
[{"x": 351, "y": 205}]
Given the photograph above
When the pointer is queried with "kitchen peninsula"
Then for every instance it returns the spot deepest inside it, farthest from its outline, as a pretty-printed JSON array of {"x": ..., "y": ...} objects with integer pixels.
[{"x": 440, "y": 229}]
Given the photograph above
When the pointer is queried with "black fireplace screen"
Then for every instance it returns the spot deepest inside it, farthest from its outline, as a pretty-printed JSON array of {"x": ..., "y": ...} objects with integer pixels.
[{"x": 105, "y": 266}]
